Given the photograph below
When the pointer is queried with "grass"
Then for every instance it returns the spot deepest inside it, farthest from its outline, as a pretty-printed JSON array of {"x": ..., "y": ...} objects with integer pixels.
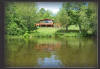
[
  {"x": 69, "y": 34},
  {"x": 14, "y": 36},
  {"x": 73, "y": 27},
  {"x": 52, "y": 32},
  {"x": 44, "y": 32},
  {"x": 73, "y": 32}
]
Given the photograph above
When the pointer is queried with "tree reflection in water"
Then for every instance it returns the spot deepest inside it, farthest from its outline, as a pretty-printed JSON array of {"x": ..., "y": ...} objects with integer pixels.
[{"x": 51, "y": 52}]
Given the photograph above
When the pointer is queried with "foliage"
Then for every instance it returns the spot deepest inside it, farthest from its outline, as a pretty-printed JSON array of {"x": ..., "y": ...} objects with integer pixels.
[
  {"x": 81, "y": 14},
  {"x": 44, "y": 14},
  {"x": 62, "y": 17},
  {"x": 22, "y": 16},
  {"x": 26, "y": 35}
]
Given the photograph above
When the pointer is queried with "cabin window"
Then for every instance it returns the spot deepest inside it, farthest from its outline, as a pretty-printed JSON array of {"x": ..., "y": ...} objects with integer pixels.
[{"x": 47, "y": 21}]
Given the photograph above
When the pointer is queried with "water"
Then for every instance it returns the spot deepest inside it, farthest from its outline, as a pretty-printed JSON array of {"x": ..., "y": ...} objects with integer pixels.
[{"x": 51, "y": 52}]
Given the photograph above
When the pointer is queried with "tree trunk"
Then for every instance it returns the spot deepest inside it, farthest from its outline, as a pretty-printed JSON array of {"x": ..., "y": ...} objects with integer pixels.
[
  {"x": 80, "y": 30},
  {"x": 28, "y": 22},
  {"x": 67, "y": 27}
]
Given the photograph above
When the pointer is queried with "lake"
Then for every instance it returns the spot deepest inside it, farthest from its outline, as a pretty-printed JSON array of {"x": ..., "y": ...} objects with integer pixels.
[{"x": 51, "y": 52}]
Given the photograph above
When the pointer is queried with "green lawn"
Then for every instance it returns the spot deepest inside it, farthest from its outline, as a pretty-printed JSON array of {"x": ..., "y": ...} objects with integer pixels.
[
  {"x": 51, "y": 31},
  {"x": 44, "y": 32},
  {"x": 73, "y": 27}
]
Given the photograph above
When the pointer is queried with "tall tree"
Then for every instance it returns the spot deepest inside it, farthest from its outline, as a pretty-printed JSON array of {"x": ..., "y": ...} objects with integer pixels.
[
  {"x": 22, "y": 15},
  {"x": 62, "y": 18},
  {"x": 93, "y": 16},
  {"x": 41, "y": 13},
  {"x": 44, "y": 14}
]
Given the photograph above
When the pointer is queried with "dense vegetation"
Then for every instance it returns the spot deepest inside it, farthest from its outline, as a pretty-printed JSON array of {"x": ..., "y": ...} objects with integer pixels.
[
  {"x": 81, "y": 14},
  {"x": 21, "y": 17}
]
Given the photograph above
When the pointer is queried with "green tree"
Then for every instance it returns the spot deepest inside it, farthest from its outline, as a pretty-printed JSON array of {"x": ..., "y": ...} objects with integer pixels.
[
  {"x": 93, "y": 18},
  {"x": 72, "y": 11},
  {"x": 23, "y": 15},
  {"x": 62, "y": 18},
  {"x": 44, "y": 14},
  {"x": 41, "y": 13},
  {"x": 83, "y": 14}
]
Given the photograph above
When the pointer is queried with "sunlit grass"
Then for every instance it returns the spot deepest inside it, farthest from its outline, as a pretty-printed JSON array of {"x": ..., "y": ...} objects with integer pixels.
[
  {"x": 73, "y": 27},
  {"x": 52, "y": 32},
  {"x": 45, "y": 32}
]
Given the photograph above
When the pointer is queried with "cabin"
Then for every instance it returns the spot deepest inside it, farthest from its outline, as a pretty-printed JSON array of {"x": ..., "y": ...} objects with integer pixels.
[{"x": 45, "y": 23}]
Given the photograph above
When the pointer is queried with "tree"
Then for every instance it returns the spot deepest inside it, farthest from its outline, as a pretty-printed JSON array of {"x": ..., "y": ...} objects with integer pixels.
[
  {"x": 44, "y": 14},
  {"x": 22, "y": 15},
  {"x": 62, "y": 18},
  {"x": 41, "y": 13},
  {"x": 72, "y": 10},
  {"x": 93, "y": 12},
  {"x": 83, "y": 14},
  {"x": 83, "y": 20}
]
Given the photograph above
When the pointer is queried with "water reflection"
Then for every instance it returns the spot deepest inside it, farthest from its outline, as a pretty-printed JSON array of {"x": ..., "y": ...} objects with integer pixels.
[
  {"x": 51, "y": 52},
  {"x": 49, "y": 62}
]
